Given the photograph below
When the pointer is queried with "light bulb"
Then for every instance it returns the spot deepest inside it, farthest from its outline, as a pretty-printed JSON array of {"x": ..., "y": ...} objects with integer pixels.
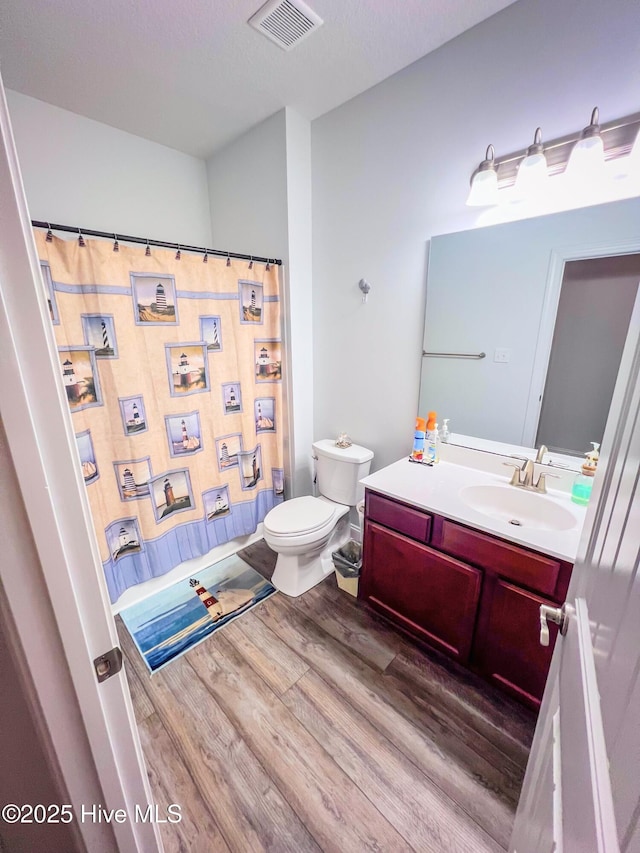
[
  {"x": 533, "y": 176},
  {"x": 484, "y": 183},
  {"x": 586, "y": 162}
]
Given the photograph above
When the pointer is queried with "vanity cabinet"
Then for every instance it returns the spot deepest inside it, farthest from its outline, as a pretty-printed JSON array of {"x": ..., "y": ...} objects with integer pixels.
[
  {"x": 428, "y": 594},
  {"x": 471, "y": 595},
  {"x": 507, "y": 649}
]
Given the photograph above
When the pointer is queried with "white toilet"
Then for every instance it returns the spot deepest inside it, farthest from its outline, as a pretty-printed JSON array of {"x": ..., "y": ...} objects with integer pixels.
[{"x": 305, "y": 531}]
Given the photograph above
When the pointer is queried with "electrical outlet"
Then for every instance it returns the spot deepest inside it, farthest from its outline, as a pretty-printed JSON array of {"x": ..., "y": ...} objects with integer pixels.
[{"x": 502, "y": 356}]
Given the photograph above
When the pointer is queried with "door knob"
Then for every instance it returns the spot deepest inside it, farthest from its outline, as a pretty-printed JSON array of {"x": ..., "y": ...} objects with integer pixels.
[{"x": 555, "y": 614}]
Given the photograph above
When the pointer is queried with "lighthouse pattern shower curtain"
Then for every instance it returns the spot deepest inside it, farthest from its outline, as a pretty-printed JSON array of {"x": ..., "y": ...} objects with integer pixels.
[{"x": 172, "y": 370}]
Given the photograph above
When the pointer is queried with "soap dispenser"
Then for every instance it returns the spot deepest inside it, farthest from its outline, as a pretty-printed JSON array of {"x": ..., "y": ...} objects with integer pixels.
[{"x": 583, "y": 483}]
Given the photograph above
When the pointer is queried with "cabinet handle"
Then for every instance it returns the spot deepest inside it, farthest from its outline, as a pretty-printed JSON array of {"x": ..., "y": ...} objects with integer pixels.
[{"x": 555, "y": 614}]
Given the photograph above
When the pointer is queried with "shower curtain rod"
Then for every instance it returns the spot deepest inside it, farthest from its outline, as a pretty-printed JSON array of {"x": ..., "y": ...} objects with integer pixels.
[{"x": 111, "y": 235}]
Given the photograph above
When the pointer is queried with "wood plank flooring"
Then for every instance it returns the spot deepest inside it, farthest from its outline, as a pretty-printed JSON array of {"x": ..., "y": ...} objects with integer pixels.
[{"x": 309, "y": 724}]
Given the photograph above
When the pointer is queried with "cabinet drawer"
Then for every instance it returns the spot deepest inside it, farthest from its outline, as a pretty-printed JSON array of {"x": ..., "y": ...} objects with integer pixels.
[
  {"x": 531, "y": 570},
  {"x": 404, "y": 519}
]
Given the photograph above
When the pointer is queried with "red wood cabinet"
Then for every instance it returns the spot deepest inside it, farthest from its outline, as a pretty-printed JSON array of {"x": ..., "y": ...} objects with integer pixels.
[
  {"x": 426, "y": 593},
  {"x": 507, "y": 649},
  {"x": 473, "y": 596}
]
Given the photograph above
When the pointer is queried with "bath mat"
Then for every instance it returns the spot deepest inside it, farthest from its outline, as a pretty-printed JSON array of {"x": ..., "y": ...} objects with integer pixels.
[{"x": 174, "y": 620}]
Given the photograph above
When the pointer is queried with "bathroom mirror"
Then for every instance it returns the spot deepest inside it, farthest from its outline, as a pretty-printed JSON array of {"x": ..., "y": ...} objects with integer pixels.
[{"x": 521, "y": 343}]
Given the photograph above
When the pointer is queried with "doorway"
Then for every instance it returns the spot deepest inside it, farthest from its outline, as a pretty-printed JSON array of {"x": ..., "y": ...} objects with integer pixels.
[{"x": 596, "y": 300}]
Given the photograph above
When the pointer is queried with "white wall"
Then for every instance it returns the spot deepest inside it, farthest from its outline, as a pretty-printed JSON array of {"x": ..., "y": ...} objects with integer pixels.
[
  {"x": 260, "y": 197},
  {"x": 300, "y": 296},
  {"x": 77, "y": 171},
  {"x": 247, "y": 183},
  {"x": 391, "y": 169}
]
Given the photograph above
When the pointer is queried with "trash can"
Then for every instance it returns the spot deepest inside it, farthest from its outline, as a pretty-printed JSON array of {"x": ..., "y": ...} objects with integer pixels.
[{"x": 348, "y": 562}]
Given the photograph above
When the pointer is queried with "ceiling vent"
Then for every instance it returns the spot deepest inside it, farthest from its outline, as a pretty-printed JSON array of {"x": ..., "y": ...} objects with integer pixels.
[{"x": 285, "y": 22}]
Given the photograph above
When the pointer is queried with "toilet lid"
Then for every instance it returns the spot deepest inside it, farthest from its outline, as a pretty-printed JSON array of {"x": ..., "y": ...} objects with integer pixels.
[{"x": 299, "y": 515}]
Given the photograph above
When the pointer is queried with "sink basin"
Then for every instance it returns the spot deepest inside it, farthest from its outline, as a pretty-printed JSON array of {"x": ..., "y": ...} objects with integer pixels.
[{"x": 518, "y": 507}]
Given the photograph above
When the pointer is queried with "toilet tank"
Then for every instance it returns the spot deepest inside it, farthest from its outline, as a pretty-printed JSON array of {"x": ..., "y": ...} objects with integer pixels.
[{"x": 339, "y": 470}]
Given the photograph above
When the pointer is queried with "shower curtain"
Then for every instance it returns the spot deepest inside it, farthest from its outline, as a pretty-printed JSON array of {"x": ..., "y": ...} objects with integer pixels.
[{"x": 173, "y": 374}]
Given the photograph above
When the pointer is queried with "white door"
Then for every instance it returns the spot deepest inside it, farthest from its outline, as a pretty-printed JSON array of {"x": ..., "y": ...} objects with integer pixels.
[
  {"x": 582, "y": 786},
  {"x": 42, "y": 445}
]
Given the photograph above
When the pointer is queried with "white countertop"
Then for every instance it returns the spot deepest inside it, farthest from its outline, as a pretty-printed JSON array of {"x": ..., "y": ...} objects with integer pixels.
[{"x": 437, "y": 489}]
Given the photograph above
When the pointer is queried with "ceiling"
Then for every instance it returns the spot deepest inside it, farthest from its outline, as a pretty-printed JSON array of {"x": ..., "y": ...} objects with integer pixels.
[{"x": 193, "y": 75}]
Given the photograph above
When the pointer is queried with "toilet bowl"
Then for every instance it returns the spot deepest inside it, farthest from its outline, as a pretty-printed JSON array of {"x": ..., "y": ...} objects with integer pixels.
[{"x": 305, "y": 531}]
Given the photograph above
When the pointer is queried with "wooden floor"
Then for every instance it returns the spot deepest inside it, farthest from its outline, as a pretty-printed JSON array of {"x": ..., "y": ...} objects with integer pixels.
[{"x": 308, "y": 724}]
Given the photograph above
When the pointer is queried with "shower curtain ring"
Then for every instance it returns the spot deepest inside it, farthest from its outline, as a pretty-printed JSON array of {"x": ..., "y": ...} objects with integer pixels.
[
  {"x": 81, "y": 242},
  {"x": 268, "y": 266},
  {"x": 49, "y": 237},
  {"x": 205, "y": 260},
  {"x": 147, "y": 251},
  {"x": 178, "y": 253},
  {"x": 116, "y": 245},
  {"x": 228, "y": 260},
  {"x": 251, "y": 263}
]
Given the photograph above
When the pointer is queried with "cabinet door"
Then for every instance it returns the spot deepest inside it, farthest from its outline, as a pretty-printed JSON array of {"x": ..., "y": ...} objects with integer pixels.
[
  {"x": 428, "y": 594},
  {"x": 507, "y": 647}
]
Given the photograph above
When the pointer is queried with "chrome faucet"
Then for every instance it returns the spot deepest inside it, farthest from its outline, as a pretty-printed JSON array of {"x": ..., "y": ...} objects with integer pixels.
[{"x": 522, "y": 476}]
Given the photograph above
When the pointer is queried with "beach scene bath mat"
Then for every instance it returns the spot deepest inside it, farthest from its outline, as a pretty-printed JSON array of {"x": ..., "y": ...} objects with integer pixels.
[{"x": 173, "y": 620}]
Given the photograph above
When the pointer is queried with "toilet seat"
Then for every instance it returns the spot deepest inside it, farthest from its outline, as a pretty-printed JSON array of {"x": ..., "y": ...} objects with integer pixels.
[{"x": 299, "y": 516}]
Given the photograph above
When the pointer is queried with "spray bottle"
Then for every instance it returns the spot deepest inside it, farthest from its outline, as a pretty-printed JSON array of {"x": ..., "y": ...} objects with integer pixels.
[
  {"x": 431, "y": 444},
  {"x": 417, "y": 454}
]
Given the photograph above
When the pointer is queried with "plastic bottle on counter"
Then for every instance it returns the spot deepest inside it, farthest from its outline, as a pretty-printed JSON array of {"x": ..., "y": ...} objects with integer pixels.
[
  {"x": 445, "y": 435},
  {"x": 583, "y": 483},
  {"x": 417, "y": 454},
  {"x": 431, "y": 443}
]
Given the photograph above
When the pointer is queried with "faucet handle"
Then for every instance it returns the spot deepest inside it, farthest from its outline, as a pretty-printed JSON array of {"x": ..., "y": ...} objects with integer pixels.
[
  {"x": 541, "y": 484},
  {"x": 517, "y": 470}
]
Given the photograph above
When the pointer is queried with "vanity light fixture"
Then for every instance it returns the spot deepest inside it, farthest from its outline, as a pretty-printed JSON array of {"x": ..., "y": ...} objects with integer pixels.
[
  {"x": 586, "y": 161},
  {"x": 533, "y": 174},
  {"x": 581, "y": 155},
  {"x": 484, "y": 182}
]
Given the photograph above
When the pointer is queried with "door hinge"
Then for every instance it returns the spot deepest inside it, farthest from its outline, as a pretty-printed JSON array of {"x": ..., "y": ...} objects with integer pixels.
[{"x": 108, "y": 664}]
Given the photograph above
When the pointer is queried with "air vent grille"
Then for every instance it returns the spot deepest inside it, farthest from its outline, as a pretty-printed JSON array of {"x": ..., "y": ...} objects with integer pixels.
[{"x": 285, "y": 22}]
